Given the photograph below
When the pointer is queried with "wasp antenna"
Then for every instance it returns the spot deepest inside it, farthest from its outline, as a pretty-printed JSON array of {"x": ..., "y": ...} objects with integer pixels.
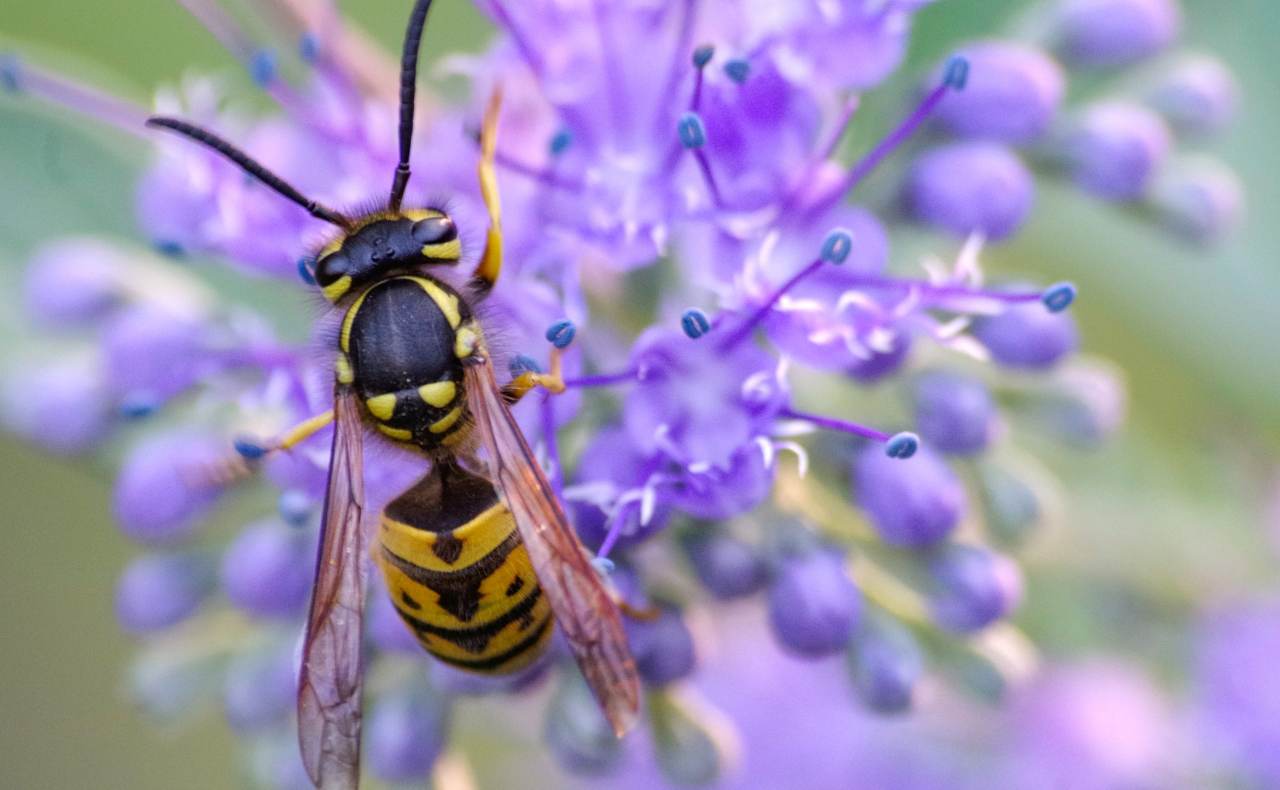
[
  {"x": 250, "y": 166},
  {"x": 408, "y": 89}
]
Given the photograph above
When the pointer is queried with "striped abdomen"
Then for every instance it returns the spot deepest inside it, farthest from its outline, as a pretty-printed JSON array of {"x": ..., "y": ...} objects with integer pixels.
[{"x": 459, "y": 575}]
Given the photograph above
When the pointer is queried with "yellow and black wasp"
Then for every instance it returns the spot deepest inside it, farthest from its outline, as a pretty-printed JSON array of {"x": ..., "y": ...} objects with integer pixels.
[{"x": 478, "y": 556}]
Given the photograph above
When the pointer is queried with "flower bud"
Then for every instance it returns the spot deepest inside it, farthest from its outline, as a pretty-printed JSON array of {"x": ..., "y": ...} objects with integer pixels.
[
  {"x": 686, "y": 748},
  {"x": 267, "y": 570},
  {"x": 813, "y": 604},
  {"x": 1114, "y": 150},
  {"x": 728, "y": 567},
  {"x": 407, "y": 732},
  {"x": 912, "y": 502},
  {"x": 1114, "y": 32},
  {"x": 1198, "y": 95},
  {"x": 663, "y": 648},
  {"x": 62, "y": 407},
  {"x": 163, "y": 488},
  {"x": 1027, "y": 336},
  {"x": 1013, "y": 93},
  {"x": 74, "y": 282},
  {"x": 1012, "y": 508},
  {"x": 1201, "y": 199},
  {"x": 159, "y": 590},
  {"x": 972, "y": 587},
  {"x": 576, "y": 730},
  {"x": 886, "y": 663},
  {"x": 954, "y": 414},
  {"x": 970, "y": 187}
]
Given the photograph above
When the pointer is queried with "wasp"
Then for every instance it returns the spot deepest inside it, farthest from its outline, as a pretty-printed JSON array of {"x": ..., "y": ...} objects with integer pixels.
[{"x": 478, "y": 556}]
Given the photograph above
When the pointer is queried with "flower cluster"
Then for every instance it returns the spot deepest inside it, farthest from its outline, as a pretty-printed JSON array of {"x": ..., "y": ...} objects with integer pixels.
[{"x": 672, "y": 183}]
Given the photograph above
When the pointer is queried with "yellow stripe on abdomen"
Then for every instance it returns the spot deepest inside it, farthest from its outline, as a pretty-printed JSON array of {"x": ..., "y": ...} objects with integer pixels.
[{"x": 484, "y": 610}]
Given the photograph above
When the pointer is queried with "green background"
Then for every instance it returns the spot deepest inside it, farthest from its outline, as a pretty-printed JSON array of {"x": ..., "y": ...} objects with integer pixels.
[{"x": 1168, "y": 514}]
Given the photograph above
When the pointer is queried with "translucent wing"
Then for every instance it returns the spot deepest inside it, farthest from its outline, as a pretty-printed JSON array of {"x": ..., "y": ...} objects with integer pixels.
[
  {"x": 582, "y": 604},
  {"x": 330, "y": 680}
]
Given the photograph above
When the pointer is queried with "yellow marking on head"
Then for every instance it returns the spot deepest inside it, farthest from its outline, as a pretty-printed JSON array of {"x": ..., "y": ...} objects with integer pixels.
[
  {"x": 447, "y": 302},
  {"x": 438, "y": 394},
  {"x": 331, "y": 248},
  {"x": 465, "y": 342},
  {"x": 444, "y": 251},
  {"x": 344, "y": 340},
  {"x": 446, "y": 422},
  {"x": 342, "y": 367},
  {"x": 418, "y": 214},
  {"x": 334, "y": 290},
  {"x": 399, "y": 434},
  {"x": 382, "y": 406}
]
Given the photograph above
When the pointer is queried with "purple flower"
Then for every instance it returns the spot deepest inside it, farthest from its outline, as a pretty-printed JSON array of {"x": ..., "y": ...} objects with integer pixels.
[
  {"x": 1013, "y": 93},
  {"x": 728, "y": 567},
  {"x": 663, "y": 648},
  {"x": 1114, "y": 32},
  {"x": 63, "y": 408},
  {"x": 972, "y": 587},
  {"x": 160, "y": 590},
  {"x": 165, "y": 487},
  {"x": 407, "y": 732},
  {"x": 914, "y": 502},
  {"x": 1114, "y": 150},
  {"x": 1027, "y": 336},
  {"x": 970, "y": 187},
  {"x": 813, "y": 604},
  {"x": 955, "y": 414},
  {"x": 73, "y": 282},
  {"x": 267, "y": 570}
]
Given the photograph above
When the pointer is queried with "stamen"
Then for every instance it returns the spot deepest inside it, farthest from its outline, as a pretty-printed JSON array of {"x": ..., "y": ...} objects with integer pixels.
[
  {"x": 835, "y": 249},
  {"x": 304, "y": 270},
  {"x": 309, "y": 47},
  {"x": 603, "y": 380},
  {"x": 693, "y": 136},
  {"x": 603, "y": 565},
  {"x": 1055, "y": 298},
  {"x": 955, "y": 75},
  {"x": 524, "y": 364},
  {"x": 542, "y": 175},
  {"x": 899, "y": 445},
  {"x": 560, "y": 141},
  {"x": 250, "y": 449},
  {"x": 561, "y": 333},
  {"x": 1058, "y": 297},
  {"x": 701, "y": 57},
  {"x": 738, "y": 70},
  {"x": 694, "y": 323},
  {"x": 138, "y": 405},
  {"x": 19, "y": 77}
]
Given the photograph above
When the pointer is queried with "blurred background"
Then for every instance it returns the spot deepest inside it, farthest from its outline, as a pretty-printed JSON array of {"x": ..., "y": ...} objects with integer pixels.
[{"x": 1169, "y": 518}]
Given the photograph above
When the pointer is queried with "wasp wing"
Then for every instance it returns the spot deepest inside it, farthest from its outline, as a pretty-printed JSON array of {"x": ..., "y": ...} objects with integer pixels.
[
  {"x": 330, "y": 680},
  {"x": 582, "y": 604}
]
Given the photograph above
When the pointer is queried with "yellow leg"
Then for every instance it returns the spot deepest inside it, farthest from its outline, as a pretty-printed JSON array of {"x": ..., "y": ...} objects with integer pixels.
[
  {"x": 491, "y": 261},
  {"x": 552, "y": 382}
]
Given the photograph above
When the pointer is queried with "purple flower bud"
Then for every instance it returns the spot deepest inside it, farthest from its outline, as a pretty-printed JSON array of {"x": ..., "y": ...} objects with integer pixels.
[
  {"x": 1027, "y": 336},
  {"x": 813, "y": 604},
  {"x": 886, "y": 663},
  {"x": 62, "y": 408},
  {"x": 1013, "y": 93},
  {"x": 663, "y": 648},
  {"x": 260, "y": 689},
  {"x": 1114, "y": 32},
  {"x": 72, "y": 283},
  {"x": 1197, "y": 95},
  {"x": 164, "y": 486},
  {"x": 970, "y": 186},
  {"x": 267, "y": 569},
  {"x": 688, "y": 754},
  {"x": 153, "y": 351},
  {"x": 407, "y": 732},
  {"x": 954, "y": 413},
  {"x": 1012, "y": 508},
  {"x": 1201, "y": 199},
  {"x": 1114, "y": 150},
  {"x": 912, "y": 502},
  {"x": 728, "y": 567},
  {"x": 576, "y": 731},
  {"x": 972, "y": 587},
  {"x": 159, "y": 590},
  {"x": 1087, "y": 404}
]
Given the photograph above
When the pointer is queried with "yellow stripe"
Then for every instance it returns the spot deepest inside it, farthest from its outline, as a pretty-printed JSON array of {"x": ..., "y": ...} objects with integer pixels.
[
  {"x": 446, "y": 422},
  {"x": 438, "y": 394},
  {"x": 399, "y": 434},
  {"x": 447, "y": 302},
  {"x": 334, "y": 290},
  {"x": 479, "y": 536},
  {"x": 444, "y": 251},
  {"x": 511, "y": 635},
  {"x": 344, "y": 342},
  {"x": 342, "y": 367},
  {"x": 464, "y": 342},
  {"x": 382, "y": 406}
]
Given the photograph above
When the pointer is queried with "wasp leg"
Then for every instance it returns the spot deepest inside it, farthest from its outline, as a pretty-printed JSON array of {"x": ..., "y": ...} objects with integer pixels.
[
  {"x": 252, "y": 450},
  {"x": 552, "y": 382},
  {"x": 486, "y": 273},
  {"x": 645, "y": 614}
]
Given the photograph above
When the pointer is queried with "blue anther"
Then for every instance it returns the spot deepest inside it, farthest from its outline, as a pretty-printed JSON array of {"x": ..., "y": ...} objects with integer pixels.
[
  {"x": 10, "y": 72},
  {"x": 168, "y": 248},
  {"x": 837, "y": 246},
  {"x": 902, "y": 445},
  {"x": 249, "y": 449},
  {"x": 694, "y": 323},
  {"x": 304, "y": 271},
  {"x": 1059, "y": 296},
  {"x": 738, "y": 70},
  {"x": 956, "y": 74},
  {"x": 603, "y": 565},
  {"x": 692, "y": 133},
  {"x": 309, "y": 47},
  {"x": 560, "y": 141},
  {"x": 262, "y": 67},
  {"x": 560, "y": 334},
  {"x": 137, "y": 405},
  {"x": 524, "y": 364},
  {"x": 702, "y": 55},
  {"x": 295, "y": 507}
]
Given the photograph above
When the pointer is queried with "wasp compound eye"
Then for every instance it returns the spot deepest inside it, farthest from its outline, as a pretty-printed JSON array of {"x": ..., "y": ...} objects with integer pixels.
[
  {"x": 434, "y": 230},
  {"x": 332, "y": 267}
]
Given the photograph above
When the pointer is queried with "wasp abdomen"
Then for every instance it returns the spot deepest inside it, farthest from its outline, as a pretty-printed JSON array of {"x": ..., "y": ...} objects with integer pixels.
[
  {"x": 400, "y": 339},
  {"x": 459, "y": 575}
]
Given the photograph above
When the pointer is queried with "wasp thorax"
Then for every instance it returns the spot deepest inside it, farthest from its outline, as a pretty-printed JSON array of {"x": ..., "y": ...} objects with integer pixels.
[{"x": 384, "y": 246}]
